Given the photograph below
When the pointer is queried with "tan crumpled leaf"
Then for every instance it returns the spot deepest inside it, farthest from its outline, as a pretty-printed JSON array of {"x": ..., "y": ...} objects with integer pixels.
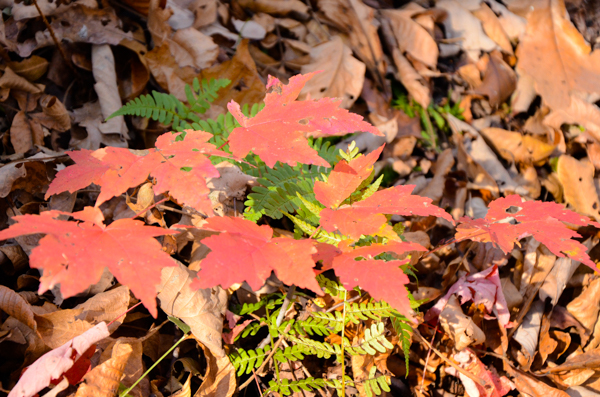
[
  {"x": 201, "y": 309},
  {"x": 9, "y": 173},
  {"x": 358, "y": 21},
  {"x": 513, "y": 24},
  {"x": 25, "y": 132},
  {"x": 556, "y": 55},
  {"x": 499, "y": 80},
  {"x": 516, "y": 147},
  {"x": 577, "y": 180},
  {"x": 435, "y": 189},
  {"x": 168, "y": 74},
  {"x": 103, "y": 67},
  {"x": 277, "y": 7},
  {"x": 460, "y": 23},
  {"x": 78, "y": 24},
  {"x": 531, "y": 386},
  {"x": 104, "y": 380},
  {"x": 460, "y": 327},
  {"x": 220, "y": 379},
  {"x": 134, "y": 366},
  {"x": 90, "y": 116},
  {"x": 54, "y": 114},
  {"x": 527, "y": 334},
  {"x": 231, "y": 185},
  {"x": 341, "y": 76},
  {"x": 31, "y": 68},
  {"x": 493, "y": 27},
  {"x": 586, "y": 305},
  {"x": 412, "y": 37},
  {"x": 524, "y": 94},
  {"x": 411, "y": 80},
  {"x": 246, "y": 85},
  {"x": 14, "y": 305},
  {"x": 106, "y": 306},
  {"x": 12, "y": 80},
  {"x": 201, "y": 49},
  {"x": 557, "y": 280},
  {"x": 58, "y": 327},
  {"x": 579, "y": 112}
]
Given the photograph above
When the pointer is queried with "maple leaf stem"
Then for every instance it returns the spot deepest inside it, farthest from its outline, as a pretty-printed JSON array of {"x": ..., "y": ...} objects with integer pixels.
[
  {"x": 223, "y": 145},
  {"x": 149, "y": 207}
]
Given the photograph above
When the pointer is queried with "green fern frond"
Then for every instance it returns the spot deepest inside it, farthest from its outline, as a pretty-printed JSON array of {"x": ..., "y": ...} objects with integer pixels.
[
  {"x": 165, "y": 108},
  {"x": 404, "y": 331},
  {"x": 251, "y": 329},
  {"x": 331, "y": 287},
  {"x": 374, "y": 341},
  {"x": 375, "y": 385},
  {"x": 355, "y": 312},
  {"x": 202, "y": 94},
  {"x": 321, "y": 235},
  {"x": 244, "y": 361},
  {"x": 290, "y": 353},
  {"x": 320, "y": 349},
  {"x": 310, "y": 326},
  {"x": 313, "y": 208}
]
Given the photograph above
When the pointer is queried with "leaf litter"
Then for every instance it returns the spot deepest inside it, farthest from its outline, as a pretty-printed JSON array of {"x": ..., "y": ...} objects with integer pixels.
[{"x": 477, "y": 100}]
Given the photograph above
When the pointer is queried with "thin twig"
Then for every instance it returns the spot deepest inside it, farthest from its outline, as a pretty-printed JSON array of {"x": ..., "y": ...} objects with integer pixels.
[
  {"x": 332, "y": 308},
  {"x": 60, "y": 49},
  {"x": 427, "y": 359},
  {"x": 286, "y": 302}
]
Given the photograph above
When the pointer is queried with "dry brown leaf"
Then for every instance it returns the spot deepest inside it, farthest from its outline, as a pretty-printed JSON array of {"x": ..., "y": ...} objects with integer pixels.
[
  {"x": 103, "y": 67},
  {"x": 499, "y": 80},
  {"x": 578, "y": 112},
  {"x": 9, "y": 173},
  {"x": 13, "y": 81},
  {"x": 25, "y": 132},
  {"x": 460, "y": 327},
  {"x": 341, "y": 76},
  {"x": 557, "y": 280},
  {"x": 59, "y": 327},
  {"x": 461, "y": 24},
  {"x": 201, "y": 309},
  {"x": 220, "y": 379},
  {"x": 412, "y": 37},
  {"x": 435, "y": 189},
  {"x": 493, "y": 27},
  {"x": 104, "y": 380},
  {"x": 90, "y": 116},
  {"x": 556, "y": 55},
  {"x": 524, "y": 93},
  {"x": 134, "y": 366},
  {"x": 513, "y": 24},
  {"x": 531, "y": 386},
  {"x": 411, "y": 80},
  {"x": 577, "y": 180},
  {"x": 201, "y": 48},
  {"x": 361, "y": 365},
  {"x": 31, "y": 68},
  {"x": 78, "y": 24},
  {"x": 528, "y": 332},
  {"x": 246, "y": 85},
  {"x": 587, "y": 360},
  {"x": 135, "y": 83},
  {"x": 14, "y": 305},
  {"x": 186, "y": 390},
  {"x": 229, "y": 188},
  {"x": 358, "y": 20},
  {"x": 54, "y": 114},
  {"x": 516, "y": 147},
  {"x": 168, "y": 74},
  {"x": 106, "y": 306},
  {"x": 277, "y": 7},
  {"x": 471, "y": 74},
  {"x": 585, "y": 307}
]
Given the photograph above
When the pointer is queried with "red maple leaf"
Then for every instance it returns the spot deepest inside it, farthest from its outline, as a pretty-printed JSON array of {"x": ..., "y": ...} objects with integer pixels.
[
  {"x": 344, "y": 179},
  {"x": 367, "y": 216},
  {"x": 179, "y": 167},
  {"x": 383, "y": 280},
  {"x": 278, "y": 132},
  {"x": 510, "y": 219},
  {"x": 74, "y": 254},
  {"x": 244, "y": 251}
]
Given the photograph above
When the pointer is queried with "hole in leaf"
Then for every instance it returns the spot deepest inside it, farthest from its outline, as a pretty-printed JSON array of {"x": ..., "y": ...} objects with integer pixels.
[{"x": 513, "y": 210}]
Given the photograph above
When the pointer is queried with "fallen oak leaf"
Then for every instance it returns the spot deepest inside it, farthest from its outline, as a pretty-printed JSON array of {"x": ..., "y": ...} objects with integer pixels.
[{"x": 74, "y": 254}]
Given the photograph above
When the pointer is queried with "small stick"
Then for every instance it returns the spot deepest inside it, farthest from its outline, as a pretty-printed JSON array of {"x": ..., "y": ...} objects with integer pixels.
[{"x": 60, "y": 49}]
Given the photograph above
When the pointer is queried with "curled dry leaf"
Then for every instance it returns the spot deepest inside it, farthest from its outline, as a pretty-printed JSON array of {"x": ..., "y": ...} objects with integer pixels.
[
  {"x": 134, "y": 366},
  {"x": 516, "y": 147},
  {"x": 412, "y": 37},
  {"x": 31, "y": 68},
  {"x": 556, "y": 282},
  {"x": 531, "y": 386},
  {"x": 567, "y": 63},
  {"x": 492, "y": 384},
  {"x": 577, "y": 180},
  {"x": 499, "y": 80},
  {"x": 104, "y": 380},
  {"x": 579, "y": 112},
  {"x": 56, "y": 362},
  {"x": 493, "y": 27},
  {"x": 13, "y": 81},
  {"x": 25, "y": 133},
  {"x": 14, "y": 305},
  {"x": 585, "y": 307},
  {"x": 56, "y": 115},
  {"x": 341, "y": 76},
  {"x": 220, "y": 379},
  {"x": 278, "y": 7},
  {"x": 460, "y": 327},
  {"x": 527, "y": 334},
  {"x": 201, "y": 309},
  {"x": 106, "y": 306},
  {"x": 411, "y": 80},
  {"x": 435, "y": 189},
  {"x": 9, "y": 173}
]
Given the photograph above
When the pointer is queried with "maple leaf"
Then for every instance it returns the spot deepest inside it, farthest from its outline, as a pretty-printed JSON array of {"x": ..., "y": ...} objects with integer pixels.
[
  {"x": 278, "y": 132},
  {"x": 74, "y": 254},
  {"x": 344, "y": 179},
  {"x": 366, "y": 216},
  {"x": 244, "y": 251},
  {"x": 180, "y": 167},
  {"x": 383, "y": 280},
  {"x": 510, "y": 219}
]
